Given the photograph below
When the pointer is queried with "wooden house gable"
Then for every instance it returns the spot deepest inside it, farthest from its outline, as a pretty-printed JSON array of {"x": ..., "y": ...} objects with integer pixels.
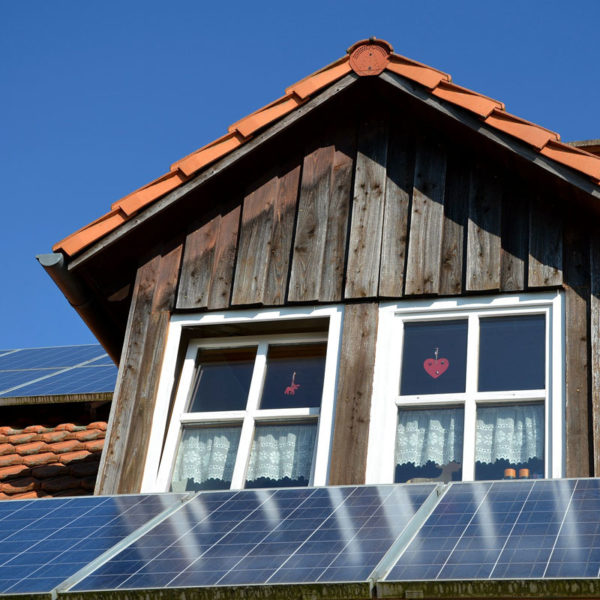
[{"x": 374, "y": 190}]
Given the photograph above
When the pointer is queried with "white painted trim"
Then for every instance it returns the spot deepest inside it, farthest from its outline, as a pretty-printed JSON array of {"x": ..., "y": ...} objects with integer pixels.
[
  {"x": 161, "y": 411},
  {"x": 386, "y": 386},
  {"x": 157, "y": 476}
]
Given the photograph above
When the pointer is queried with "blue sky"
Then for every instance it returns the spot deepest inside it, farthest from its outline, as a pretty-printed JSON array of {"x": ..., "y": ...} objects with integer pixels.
[{"x": 99, "y": 98}]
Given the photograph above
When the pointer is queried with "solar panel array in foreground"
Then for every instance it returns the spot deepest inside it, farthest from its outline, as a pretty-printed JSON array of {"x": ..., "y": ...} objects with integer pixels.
[{"x": 539, "y": 530}]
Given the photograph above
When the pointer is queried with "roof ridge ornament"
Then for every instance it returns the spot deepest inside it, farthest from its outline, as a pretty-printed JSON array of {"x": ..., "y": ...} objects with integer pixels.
[{"x": 370, "y": 57}]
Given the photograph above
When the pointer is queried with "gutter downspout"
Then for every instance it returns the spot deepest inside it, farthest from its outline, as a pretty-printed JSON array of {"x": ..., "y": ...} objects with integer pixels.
[{"x": 82, "y": 299}]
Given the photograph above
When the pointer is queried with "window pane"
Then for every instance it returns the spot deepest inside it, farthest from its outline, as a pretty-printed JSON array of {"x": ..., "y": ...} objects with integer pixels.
[
  {"x": 429, "y": 445},
  {"x": 510, "y": 437},
  {"x": 281, "y": 455},
  {"x": 294, "y": 376},
  {"x": 223, "y": 379},
  {"x": 434, "y": 357},
  {"x": 512, "y": 353},
  {"x": 205, "y": 459}
]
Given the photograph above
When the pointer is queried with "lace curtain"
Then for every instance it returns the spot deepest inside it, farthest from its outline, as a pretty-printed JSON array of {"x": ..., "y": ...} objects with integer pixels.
[
  {"x": 205, "y": 454},
  {"x": 429, "y": 435},
  {"x": 515, "y": 433},
  {"x": 280, "y": 451}
]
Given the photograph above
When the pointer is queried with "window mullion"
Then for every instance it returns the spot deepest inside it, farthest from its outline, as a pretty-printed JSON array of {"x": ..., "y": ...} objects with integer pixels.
[
  {"x": 470, "y": 422},
  {"x": 247, "y": 433}
]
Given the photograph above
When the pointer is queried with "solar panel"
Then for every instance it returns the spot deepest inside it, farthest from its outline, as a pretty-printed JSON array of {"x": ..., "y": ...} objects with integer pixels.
[
  {"x": 12, "y": 379},
  {"x": 56, "y": 371},
  {"x": 508, "y": 530},
  {"x": 43, "y": 542},
  {"x": 79, "y": 380},
  {"x": 48, "y": 358},
  {"x": 266, "y": 537}
]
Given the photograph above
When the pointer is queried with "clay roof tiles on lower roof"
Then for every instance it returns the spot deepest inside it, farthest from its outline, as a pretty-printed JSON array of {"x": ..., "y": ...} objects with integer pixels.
[
  {"x": 364, "y": 58},
  {"x": 37, "y": 461}
]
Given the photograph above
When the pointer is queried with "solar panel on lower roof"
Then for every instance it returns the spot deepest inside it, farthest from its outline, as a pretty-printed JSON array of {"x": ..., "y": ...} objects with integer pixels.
[
  {"x": 12, "y": 379},
  {"x": 266, "y": 537},
  {"x": 61, "y": 370},
  {"x": 508, "y": 530},
  {"x": 79, "y": 380},
  {"x": 49, "y": 358},
  {"x": 43, "y": 542}
]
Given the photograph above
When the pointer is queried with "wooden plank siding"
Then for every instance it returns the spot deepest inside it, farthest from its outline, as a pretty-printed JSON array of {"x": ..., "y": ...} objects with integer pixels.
[
  {"x": 426, "y": 220},
  {"x": 317, "y": 270},
  {"x": 208, "y": 260},
  {"x": 483, "y": 238},
  {"x": 366, "y": 230},
  {"x": 353, "y": 402},
  {"x": 373, "y": 210},
  {"x": 137, "y": 381},
  {"x": 578, "y": 423}
]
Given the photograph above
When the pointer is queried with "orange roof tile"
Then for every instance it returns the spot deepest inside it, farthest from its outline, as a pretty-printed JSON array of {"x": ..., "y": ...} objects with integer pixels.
[
  {"x": 39, "y": 461},
  {"x": 365, "y": 58}
]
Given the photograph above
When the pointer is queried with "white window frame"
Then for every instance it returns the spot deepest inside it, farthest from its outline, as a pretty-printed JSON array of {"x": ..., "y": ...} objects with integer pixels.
[
  {"x": 165, "y": 437},
  {"x": 388, "y": 360}
]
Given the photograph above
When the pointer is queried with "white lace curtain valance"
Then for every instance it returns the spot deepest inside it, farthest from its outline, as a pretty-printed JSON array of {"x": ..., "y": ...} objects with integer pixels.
[
  {"x": 205, "y": 453},
  {"x": 209, "y": 453},
  {"x": 280, "y": 451},
  {"x": 514, "y": 433},
  {"x": 434, "y": 435}
]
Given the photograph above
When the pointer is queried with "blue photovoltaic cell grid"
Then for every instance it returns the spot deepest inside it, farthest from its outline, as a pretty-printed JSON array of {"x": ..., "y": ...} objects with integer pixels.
[
  {"x": 43, "y": 542},
  {"x": 266, "y": 537},
  {"x": 10, "y": 379},
  {"x": 508, "y": 530},
  {"x": 81, "y": 380},
  {"x": 50, "y": 358},
  {"x": 56, "y": 371}
]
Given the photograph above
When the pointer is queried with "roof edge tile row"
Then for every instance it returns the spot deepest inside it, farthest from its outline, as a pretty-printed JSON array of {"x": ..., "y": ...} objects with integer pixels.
[{"x": 365, "y": 58}]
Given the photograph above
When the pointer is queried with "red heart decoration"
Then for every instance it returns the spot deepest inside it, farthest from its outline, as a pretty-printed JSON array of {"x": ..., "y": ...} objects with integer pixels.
[{"x": 436, "y": 367}]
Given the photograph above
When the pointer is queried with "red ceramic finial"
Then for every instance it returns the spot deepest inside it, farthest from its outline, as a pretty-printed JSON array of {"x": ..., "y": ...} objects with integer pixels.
[{"x": 369, "y": 57}]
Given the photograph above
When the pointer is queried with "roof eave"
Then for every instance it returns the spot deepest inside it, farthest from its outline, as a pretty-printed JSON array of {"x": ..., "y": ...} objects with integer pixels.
[
  {"x": 507, "y": 141},
  {"x": 212, "y": 170}
]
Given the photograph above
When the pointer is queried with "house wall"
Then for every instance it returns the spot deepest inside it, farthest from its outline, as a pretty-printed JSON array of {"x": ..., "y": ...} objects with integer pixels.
[{"x": 357, "y": 210}]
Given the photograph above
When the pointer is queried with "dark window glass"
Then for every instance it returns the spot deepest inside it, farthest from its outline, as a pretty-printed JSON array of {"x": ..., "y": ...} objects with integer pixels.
[
  {"x": 512, "y": 353},
  {"x": 434, "y": 357},
  {"x": 294, "y": 376},
  {"x": 223, "y": 379},
  {"x": 510, "y": 442},
  {"x": 429, "y": 445}
]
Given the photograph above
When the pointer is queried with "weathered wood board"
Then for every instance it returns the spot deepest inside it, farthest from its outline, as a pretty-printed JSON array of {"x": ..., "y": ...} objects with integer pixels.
[
  {"x": 366, "y": 228},
  {"x": 353, "y": 403},
  {"x": 427, "y": 220},
  {"x": 398, "y": 195},
  {"x": 483, "y": 238}
]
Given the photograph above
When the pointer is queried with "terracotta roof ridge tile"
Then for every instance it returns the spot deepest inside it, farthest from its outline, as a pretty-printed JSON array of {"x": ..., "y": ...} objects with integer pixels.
[
  {"x": 456, "y": 94},
  {"x": 574, "y": 157},
  {"x": 529, "y": 132},
  {"x": 366, "y": 58},
  {"x": 411, "y": 69}
]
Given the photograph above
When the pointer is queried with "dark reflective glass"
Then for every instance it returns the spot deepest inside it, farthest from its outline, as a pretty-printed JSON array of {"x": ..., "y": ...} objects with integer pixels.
[
  {"x": 429, "y": 445},
  {"x": 434, "y": 357},
  {"x": 294, "y": 376},
  {"x": 223, "y": 379},
  {"x": 512, "y": 353},
  {"x": 510, "y": 442}
]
